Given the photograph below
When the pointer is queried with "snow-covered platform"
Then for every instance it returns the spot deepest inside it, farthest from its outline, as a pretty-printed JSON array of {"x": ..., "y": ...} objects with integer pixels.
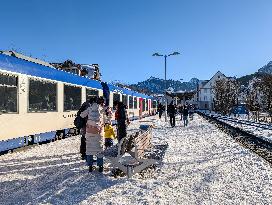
[{"x": 202, "y": 165}]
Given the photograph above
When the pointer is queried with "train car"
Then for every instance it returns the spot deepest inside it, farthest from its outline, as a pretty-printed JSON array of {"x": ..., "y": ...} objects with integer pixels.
[{"x": 38, "y": 103}]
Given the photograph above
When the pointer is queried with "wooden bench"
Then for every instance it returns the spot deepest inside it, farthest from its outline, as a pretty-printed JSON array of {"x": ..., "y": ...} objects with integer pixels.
[{"x": 131, "y": 154}]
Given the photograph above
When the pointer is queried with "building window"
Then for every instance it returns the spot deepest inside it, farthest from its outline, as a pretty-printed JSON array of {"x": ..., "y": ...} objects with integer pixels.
[
  {"x": 42, "y": 96},
  {"x": 91, "y": 92},
  {"x": 125, "y": 99},
  {"x": 205, "y": 90},
  {"x": 72, "y": 97},
  {"x": 146, "y": 104},
  {"x": 135, "y": 103},
  {"x": 8, "y": 93},
  {"x": 130, "y": 102},
  {"x": 205, "y": 98}
]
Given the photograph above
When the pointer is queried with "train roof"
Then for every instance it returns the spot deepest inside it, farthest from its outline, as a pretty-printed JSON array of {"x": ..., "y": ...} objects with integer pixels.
[{"x": 17, "y": 65}]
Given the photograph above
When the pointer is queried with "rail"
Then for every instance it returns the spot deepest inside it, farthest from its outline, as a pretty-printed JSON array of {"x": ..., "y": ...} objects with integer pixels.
[{"x": 260, "y": 146}]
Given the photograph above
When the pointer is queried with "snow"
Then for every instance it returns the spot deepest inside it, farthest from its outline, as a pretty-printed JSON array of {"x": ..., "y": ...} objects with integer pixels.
[{"x": 202, "y": 165}]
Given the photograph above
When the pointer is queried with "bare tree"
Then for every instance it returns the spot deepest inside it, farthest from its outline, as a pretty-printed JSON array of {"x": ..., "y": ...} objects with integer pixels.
[
  {"x": 253, "y": 95},
  {"x": 265, "y": 88},
  {"x": 225, "y": 95}
]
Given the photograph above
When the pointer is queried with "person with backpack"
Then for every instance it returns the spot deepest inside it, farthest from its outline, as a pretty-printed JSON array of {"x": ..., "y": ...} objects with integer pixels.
[
  {"x": 94, "y": 133},
  {"x": 122, "y": 120},
  {"x": 80, "y": 123}
]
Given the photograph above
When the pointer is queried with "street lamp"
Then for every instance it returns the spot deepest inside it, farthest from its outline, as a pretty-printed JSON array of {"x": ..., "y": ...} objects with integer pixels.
[{"x": 165, "y": 59}]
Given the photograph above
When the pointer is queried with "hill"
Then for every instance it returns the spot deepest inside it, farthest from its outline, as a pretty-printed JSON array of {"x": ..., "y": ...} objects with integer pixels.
[{"x": 157, "y": 85}]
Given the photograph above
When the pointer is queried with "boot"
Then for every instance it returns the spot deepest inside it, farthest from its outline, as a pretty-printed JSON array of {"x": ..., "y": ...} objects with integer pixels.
[
  {"x": 83, "y": 157},
  {"x": 100, "y": 169}
]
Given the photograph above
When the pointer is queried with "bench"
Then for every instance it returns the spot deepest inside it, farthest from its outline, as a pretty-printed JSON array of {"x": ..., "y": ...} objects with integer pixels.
[{"x": 132, "y": 154}]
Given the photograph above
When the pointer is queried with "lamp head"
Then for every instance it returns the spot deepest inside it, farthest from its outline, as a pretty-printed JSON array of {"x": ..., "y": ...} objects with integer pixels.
[
  {"x": 174, "y": 53},
  {"x": 157, "y": 54}
]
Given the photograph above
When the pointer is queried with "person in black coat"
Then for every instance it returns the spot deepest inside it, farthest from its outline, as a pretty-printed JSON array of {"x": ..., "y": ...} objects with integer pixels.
[
  {"x": 172, "y": 113},
  {"x": 160, "y": 110},
  {"x": 83, "y": 107},
  {"x": 180, "y": 111},
  {"x": 185, "y": 116},
  {"x": 122, "y": 119}
]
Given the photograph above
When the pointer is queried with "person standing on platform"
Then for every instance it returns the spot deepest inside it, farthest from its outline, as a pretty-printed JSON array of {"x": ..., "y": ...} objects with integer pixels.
[
  {"x": 172, "y": 114},
  {"x": 180, "y": 111},
  {"x": 109, "y": 134},
  {"x": 122, "y": 120},
  {"x": 185, "y": 116},
  {"x": 94, "y": 133},
  {"x": 160, "y": 110},
  {"x": 83, "y": 107}
]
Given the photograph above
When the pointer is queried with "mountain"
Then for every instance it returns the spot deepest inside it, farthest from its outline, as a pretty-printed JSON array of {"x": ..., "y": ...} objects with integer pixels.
[
  {"x": 244, "y": 80},
  {"x": 266, "y": 69},
  {"x": 157, "y": 85}
]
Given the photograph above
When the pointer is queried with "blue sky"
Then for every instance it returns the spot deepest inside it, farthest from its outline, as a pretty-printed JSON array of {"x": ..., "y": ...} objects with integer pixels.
[{"x": 233, "y": 36}]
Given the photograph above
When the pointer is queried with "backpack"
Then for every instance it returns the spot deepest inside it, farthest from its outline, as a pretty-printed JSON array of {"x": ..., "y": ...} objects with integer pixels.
[{"x": 79, "y": 122}]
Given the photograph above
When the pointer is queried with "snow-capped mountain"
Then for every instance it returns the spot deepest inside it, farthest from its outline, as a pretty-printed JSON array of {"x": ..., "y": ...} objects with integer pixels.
[{"x": 157, "y": 85}]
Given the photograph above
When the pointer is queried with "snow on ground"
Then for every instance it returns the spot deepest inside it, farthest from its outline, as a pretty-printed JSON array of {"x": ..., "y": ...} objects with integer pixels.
[{"x": 202, "y": 165}]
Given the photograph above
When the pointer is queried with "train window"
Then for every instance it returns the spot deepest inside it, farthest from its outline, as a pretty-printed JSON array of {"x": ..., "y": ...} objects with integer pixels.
[
  {"x": 116, "y": 97},
  {"x": 130, "y": 102},
  {"x": 135, "y": 103},
  {"x": 8, "y": 93},
  {"x": 72, "y": 97},
  {"x": 42, "y": 96},
  {"x": 143, "y": 105},
  {"x": 154, "y": 104},
  {"x": 125, "y": 99},
  {"x": 91, "y": 92}
]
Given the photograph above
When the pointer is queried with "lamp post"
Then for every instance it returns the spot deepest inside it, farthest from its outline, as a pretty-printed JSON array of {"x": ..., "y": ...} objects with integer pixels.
[{"x": 165, "y": 60}]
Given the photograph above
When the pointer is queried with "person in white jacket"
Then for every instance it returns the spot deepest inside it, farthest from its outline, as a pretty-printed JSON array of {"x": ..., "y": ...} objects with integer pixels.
[{"x": 94, "y": 133}]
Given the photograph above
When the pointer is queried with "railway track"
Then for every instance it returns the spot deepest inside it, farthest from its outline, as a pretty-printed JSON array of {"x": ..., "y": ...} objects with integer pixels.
[
  {"x": 264, "y": 126},
  {"x": 260, "y": 146}
]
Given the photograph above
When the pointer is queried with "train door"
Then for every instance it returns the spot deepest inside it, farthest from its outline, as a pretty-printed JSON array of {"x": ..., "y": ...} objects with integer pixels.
[
  {"x": 149, "y": 107},
  {"x": 140, "y": 107}
]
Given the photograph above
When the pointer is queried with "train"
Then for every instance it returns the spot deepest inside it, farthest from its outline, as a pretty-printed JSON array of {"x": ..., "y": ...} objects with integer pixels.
[{"x": 38, "y": 103}]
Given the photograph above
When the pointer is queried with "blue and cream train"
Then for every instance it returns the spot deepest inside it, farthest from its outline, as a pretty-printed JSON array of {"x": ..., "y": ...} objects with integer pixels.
[{"x": 39, "y": 103}]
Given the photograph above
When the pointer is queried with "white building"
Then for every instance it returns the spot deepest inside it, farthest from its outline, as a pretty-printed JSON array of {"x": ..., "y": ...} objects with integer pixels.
[{"x": 205, "y": 93}]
